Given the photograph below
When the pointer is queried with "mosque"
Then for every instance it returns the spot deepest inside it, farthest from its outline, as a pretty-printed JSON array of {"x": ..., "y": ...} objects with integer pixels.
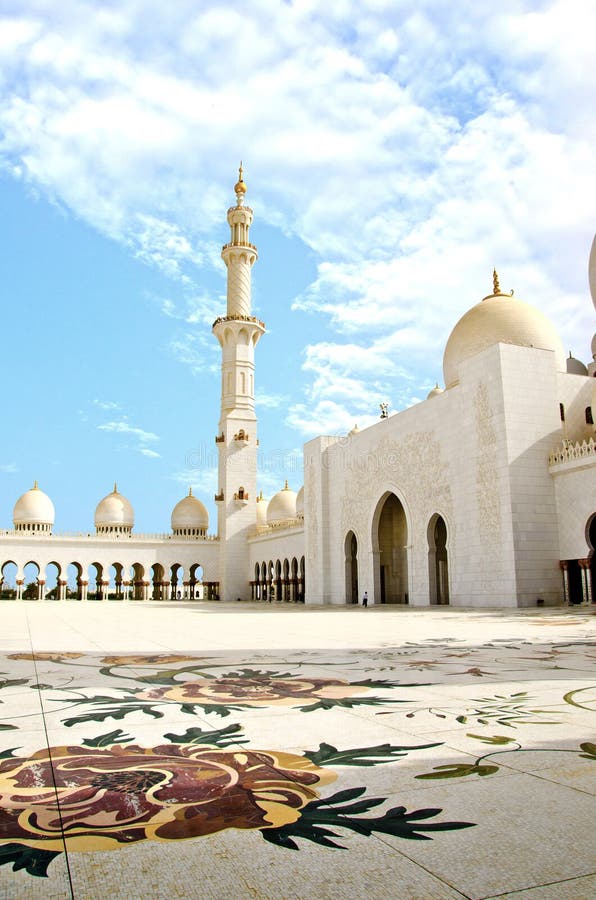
[{"x": 482, "y": 495}]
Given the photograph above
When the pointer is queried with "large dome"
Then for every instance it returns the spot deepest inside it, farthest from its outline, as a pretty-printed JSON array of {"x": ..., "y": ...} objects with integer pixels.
[
  {"x": 300, "y": 503},
  {"x": 282, "y": 506},
  {"x": 34, "y": 511},
  {"x": 262, "y": 506},
  {"x": 499, "y": 318},
  {"x": 190, "y": 516},
  {"x": 114, "y": 514}
]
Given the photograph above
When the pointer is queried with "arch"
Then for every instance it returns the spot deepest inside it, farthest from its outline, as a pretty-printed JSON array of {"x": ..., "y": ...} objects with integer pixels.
[
  {"x": 351, "y": 567},
  {"x": 97, "y": 587},
  {"x": 157, "y": 582},
  {"x": 137, "y": 581},
  {"x": 196, "y": 581},
  {"x": 52, "y": 579},
  {"x": 390, "y": 550},
  {"x": 32, "y": 586},
  {"x": 286, "y": 580},
  {"x": 74, "y": 581},
  {"x": 438, "y": 562},
  {"x": 176, "y": 581},
  {"x": 8, "y": 580},
  {"x": 301, "y": 597},
  {"x": 116, "y": 579}
]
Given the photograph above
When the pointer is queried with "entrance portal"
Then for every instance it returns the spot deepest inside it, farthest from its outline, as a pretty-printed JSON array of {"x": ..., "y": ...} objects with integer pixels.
[
  {"x": 351, "y": 549},
  {"x": 438, "y": 571},
  {"x": 391, "y": 552}
]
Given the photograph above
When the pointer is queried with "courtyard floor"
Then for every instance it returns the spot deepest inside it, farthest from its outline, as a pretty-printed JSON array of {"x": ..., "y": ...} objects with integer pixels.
[{"x": 177, "y": 750}]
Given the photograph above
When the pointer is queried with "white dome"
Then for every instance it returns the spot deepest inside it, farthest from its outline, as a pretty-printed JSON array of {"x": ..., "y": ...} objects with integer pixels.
[
  {"x": 262, "y": 506},
  {"x": 592, "y": 270},
  {"x": 436, "y": 392},
  {"x": 33, "y": 511},
  {"x": 300, "y": 503},
  {"x": 355, "y": 430},
  {"x": 114, "y": 513},
  {"x": 499, "y": 318},
  {"x": 190, "y": 516},
  {"x": 575, "y": 366},
  {"x": 282, "y": 506}
]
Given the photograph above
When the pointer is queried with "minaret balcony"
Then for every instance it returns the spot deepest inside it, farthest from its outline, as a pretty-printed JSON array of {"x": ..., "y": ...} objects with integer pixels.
[
  {"x": 238, "y": 318},
  {"x": 219, "y": 438},
  {"x": 241, "y": 496},
  {"x": 219, "y": 497},
  {"x": 242, "y": 437},
  {"x": 246, "y": 244}
]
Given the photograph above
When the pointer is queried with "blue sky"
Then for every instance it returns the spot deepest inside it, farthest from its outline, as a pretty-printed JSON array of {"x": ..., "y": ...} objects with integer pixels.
[{"x": 394, "y": 152}]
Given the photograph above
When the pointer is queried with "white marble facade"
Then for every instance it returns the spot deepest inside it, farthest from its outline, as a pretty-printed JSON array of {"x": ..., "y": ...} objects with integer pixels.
[{"x": 482, "y": 495}]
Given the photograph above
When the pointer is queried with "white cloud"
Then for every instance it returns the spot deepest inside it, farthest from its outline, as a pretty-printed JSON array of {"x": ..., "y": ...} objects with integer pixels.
[
  {"x": 412, "y": 146},
  {"x": 106, "y": 404},
  {"x": 9, "y": 468},
  {"x": 152, "y": 454},
  {"x": 124, "y": 427},
  {"x": 268, "y": 400}
]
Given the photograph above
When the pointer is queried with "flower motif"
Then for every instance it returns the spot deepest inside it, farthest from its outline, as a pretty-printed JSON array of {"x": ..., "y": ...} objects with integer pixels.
[
  {"x": 51, "y": 657},
  {"x": 148, "y": 660},
  {"x": 255, "y": 690},
  {"x": 103, "y": 798}
]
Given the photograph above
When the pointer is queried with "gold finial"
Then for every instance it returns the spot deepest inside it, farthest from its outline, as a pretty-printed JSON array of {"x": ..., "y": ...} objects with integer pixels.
[
  {"x": 35, "y": 485},
  {"x": 190, "y": 491},
  {"x": 115, "y": 488},
  {"x": 240, "y": 187},
  {"x": 496, "y": 286},
  {"x": 286, "y": 488},
  {"x": 260, "y": 497}
]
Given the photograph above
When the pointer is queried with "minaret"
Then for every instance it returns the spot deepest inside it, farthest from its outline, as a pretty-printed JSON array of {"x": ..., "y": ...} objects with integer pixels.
[{"x": 238, "y": 333}]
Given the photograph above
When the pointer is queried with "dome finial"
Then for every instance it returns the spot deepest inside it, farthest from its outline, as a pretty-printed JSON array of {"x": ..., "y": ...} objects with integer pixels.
[
  {"x": 35, "y": 485},
  {"x": 286, "y": 488},
  {"x": 496, "y": 285},
  {"x": 240, "y": 187},
  {"x": 115, "y": 488},
  {"x": 190, "y": 491}
]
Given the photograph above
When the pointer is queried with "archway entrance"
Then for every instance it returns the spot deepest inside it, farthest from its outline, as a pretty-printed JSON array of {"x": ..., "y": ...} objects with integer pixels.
[
  {"x": 351, "y": 550},
  {"x": 438, "y": 569},
  {"x": 390, "y": 540}
]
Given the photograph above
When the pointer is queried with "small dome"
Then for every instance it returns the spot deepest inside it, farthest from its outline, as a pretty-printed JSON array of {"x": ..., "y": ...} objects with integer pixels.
[
  {"x": 355, "y": 430},
  {"x": 436, "y": 391},
  {"x": 300, "y": 502},
  {"x": 592, "y": 271},
  {"x": 282, "y": 506},
  {"x": 575, "y": 366},
  {"x": 262, "y": 506},
  {"x": 190, "y": 516},
  {"x": 114, "y": 514},
  {"x": 499, "y": 318},
  {"x": 34, "y": 511}
]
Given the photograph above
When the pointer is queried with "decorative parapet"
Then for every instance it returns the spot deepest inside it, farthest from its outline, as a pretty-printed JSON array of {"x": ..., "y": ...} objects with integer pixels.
[
  {"x": 103, "y": 537},
  {"x": 242, "y": 437},
  {"x": 219, "y": 438},
  {"x": 219, "y": 497},
  {"x": 274, "y": 527},
  {"x": 252, "y": 319},
  {"x": 245, "y": 244},
  {"x": 573, "y": 455}
]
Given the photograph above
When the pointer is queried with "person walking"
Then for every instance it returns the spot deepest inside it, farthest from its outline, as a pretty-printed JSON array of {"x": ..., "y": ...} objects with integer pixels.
[{"x": 365, "y": 599}]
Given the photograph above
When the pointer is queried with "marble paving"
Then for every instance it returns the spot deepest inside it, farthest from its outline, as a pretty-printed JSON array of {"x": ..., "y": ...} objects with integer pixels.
[{"x": 204, "y": 750}]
